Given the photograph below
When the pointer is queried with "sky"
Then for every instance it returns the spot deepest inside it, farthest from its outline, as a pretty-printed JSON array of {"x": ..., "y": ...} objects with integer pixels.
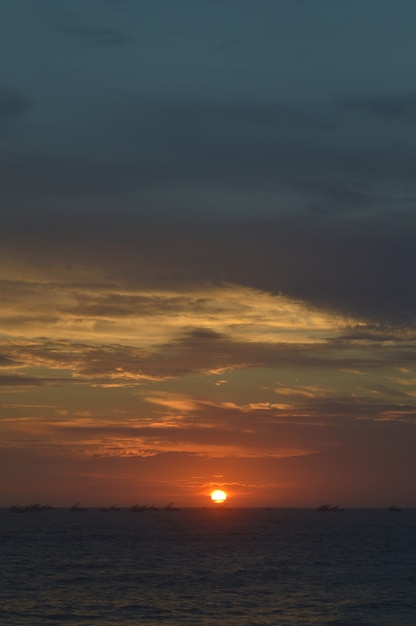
[{"x": 207, "y": 252}]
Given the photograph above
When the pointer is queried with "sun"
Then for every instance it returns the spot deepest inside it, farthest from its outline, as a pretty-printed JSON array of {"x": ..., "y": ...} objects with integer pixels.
[{"x": 218, "y": 496}]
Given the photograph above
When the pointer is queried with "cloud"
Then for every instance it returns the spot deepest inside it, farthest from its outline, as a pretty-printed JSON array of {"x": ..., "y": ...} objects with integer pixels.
[
  {"x": 190, "y": 353},
  {"x": 14, "y": 380},
  {"x": 6, "y": 361},
  {"x": 13, "y": 104},
  {"x": 97, "y": 37},
  {"x": 397, "y": 107},
  {"x": 174, "y": 153},
  {"x": 107, "y": 312},
  {"x": 94, "y": 24},
  {"x": 48, "y": 176},
  {"x": 205, "y": 428},
  {"x": 360, "y": 268}
]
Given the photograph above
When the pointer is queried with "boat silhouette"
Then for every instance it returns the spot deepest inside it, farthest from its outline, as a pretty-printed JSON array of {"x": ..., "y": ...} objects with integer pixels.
[
  {"x": 113, "y": 507},
  {"x": 327, "y": 507},
  {"x": 77, "y": 507},
  {"x": 171, "y": 507},
  {"x": 395, "y": 508},
  {"x": 35, "y": 507},
  {"x": 140, "y": 508}
]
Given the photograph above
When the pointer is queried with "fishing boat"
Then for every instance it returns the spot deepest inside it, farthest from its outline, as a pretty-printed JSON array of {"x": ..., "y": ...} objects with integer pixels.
[
  {"x": 76, "y": 507},
  {"x": 105, "y": 509},
  {"x": 327, "y": 507},
  {"x": 395, "y": 508},
  {"x": 140, "y": 508},
  {"x": 171, "y": 507}
]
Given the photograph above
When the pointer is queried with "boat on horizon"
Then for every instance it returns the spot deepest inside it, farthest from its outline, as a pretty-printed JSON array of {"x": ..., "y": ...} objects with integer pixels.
[
  {"x": 171, "y": 507},
  {"x": 35, "y": 507},
  {"x": 77, "y": 507},
  {"x": 327, "y": 507},
  {"x": 113, "y": 507},
  {"x": 140, "y": 508},
  {"x": 395, "y": 508}
]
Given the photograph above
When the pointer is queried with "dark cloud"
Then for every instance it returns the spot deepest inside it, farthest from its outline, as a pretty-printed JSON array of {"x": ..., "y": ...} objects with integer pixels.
[
  {"x": 171, "y": 151},
  {"x": 194, "y": 352},
  {"x": 363, "y": 267},
  {"x": 13, "y": 104},
  {"x": 93, "y": 24},
  {"x": 50, "y": 176},
  {"x": 97, "y": 37},
  {"x": 13, "y": 380},
  {"x": 5, "y": 361},
  {"x": 388, "y": 107},
  {"x": 120, "y": 305},
  {"x": 358, "y": 408},
  {"x": 272, "y": 116}
]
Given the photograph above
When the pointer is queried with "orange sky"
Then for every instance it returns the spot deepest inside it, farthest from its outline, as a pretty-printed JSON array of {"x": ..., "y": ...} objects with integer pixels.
[{"x": 110, "y": 394}]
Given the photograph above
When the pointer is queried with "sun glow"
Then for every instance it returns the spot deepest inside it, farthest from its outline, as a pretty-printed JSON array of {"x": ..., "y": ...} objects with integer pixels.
[{"x": 218, "y": 496}]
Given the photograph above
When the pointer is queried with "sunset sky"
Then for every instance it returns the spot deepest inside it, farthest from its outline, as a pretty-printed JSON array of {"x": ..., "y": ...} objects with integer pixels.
[{"x": 208, "y": 252}]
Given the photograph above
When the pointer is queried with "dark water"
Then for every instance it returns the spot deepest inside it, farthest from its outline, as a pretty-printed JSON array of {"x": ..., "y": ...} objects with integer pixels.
[{"x": 208, "y": 566}]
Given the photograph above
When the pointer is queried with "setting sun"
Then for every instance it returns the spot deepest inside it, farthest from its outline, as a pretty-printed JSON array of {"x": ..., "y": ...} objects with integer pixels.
[{"x": 218, "y": 496}]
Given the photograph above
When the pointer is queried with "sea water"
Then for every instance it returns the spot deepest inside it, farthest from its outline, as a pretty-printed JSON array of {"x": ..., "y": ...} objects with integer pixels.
[{"x": 208, "y": 566}]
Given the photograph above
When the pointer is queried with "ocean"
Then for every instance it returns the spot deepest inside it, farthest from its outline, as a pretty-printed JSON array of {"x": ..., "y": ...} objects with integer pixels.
[{"x": 208, "y": 566}]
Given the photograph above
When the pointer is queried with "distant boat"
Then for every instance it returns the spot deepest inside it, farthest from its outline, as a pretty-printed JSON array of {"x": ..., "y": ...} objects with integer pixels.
[
  {"x": 34, "y": 507},
  {"x": 327, "y": 507},
  {"x": 113, "y": 507},
  {"x": 31, "y": 507},
  {"x": 395, "y": 508},
  {"x": 140, "y": 508},
  {"x": 77, "y": 507},
  {"x": 170, "y": 507},
  {"x": 17, "y": 508}
]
